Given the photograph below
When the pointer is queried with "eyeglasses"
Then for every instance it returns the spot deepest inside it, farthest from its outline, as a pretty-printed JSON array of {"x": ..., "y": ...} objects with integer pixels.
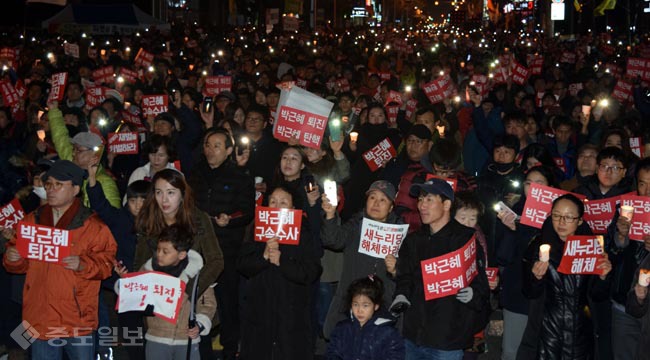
[
  {"x": 78, "y": 150},
  {"x": 566, "y": 218},
  {"x": 56, "y": 185},
  {"x": 607, "y": 168}
]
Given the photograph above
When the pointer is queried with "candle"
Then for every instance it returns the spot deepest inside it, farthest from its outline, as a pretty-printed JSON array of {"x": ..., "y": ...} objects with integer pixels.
[
  {"x": 586, "y": 110},
  {"x": 353, "y": 136},
  {"x": 627, "y": 211},
  {"x": 544, "y": 250},
  {"x": 258, "y": 180},
  {"x": 41, "y": 134},
  {"x": 601, "y": 242},
  {"x": 644, "y": 277}
]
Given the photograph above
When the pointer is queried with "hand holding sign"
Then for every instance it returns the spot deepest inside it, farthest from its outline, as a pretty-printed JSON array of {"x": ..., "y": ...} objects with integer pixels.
[
  {"x": 73, "y": 262},
  {"x": 539, "y": 269},
  {"x": 391, "y": 262},
  {"x": 13, "y": 255}
]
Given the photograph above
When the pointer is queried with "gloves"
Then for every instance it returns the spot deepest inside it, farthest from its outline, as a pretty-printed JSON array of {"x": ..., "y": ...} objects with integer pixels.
[
  {"x": 465, "y": 295},
  {"x": 399, "y": 305}
]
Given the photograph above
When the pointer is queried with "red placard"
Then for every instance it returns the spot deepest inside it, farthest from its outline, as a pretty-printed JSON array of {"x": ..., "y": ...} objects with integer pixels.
[
  {"x": 11, "y": 213},
  {"x": 445, "y": 275},
  {"x": 283, "y": 224},
  {"x": 623, "y": 91},
  {"x": 42, "y": 243},
  {"x": 306, "y": 126},
  {"x": 636, "y": 145},
  {"x": 613, "y": 69},
  {"x": 153, "y": 105},
  {"x": 57, "y": 91},
  {"x": 599, "y": 214},
  {"x": 95, "y": 96},
  {"x": 536, "y": 65},
  {"x": 581, "y": 255},
  {"x": 125, "y": 143},
  {"x": 134, "y": 118},
  {"x": 452, "y": 182},
  {"x": 393, "y": 96},
  {"x": 8, "y": 56},
  {"x": 519, "y": 73},
  {"x": 480, "y": 83},
  {"x": 539, "y": 202},
  {"x": 392, "y": 111},
  {"x": 411, "y": 105},
  {"x": 104, "y": 75},
  {"x": 638, "y": 67},
  {"x": 143, "y": 58},
  {"x": 344, "y": 84},
  {"x": 438, "y": 89},
  {"x": 217, "y": 84},
  {"x": 641, "y": 219},
  {"x": 21, "y": 89},
  {"x": 380, "y": 154},
  {"x": 492, "y": 274},
  {"x": 10, "y": 96},
  {"x": 71, "y": 50},
  {"x": 130, "y": 76}
]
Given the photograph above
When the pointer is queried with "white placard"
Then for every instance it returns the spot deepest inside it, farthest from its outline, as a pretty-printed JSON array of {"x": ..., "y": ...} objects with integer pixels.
[{"x": 379, "y": 239}]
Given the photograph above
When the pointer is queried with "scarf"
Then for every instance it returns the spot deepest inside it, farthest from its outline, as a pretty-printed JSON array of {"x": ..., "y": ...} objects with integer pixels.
[
  {"x": 173, "y": 270},
  {"x": 47, "y": 215}
]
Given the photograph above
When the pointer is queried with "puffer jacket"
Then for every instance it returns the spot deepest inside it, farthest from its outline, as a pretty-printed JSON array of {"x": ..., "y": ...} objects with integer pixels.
[
  {"x": 62, "y": 299},
  {"x": 355, "y": 265},
  {"x": 61, "y": 140},
  {"x": 376, "y": 340},
  {"x": 640, "y": 310},
  {"x": 558, "y": 327},
  {"x": 164, "y": 332}
]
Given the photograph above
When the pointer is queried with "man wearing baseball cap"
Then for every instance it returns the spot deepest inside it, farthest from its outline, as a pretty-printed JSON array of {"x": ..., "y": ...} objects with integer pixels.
[
  {"x": 440, "y": 328},
  {"x": 84, "y": 150},
  {"x": 60, "y": 300}
]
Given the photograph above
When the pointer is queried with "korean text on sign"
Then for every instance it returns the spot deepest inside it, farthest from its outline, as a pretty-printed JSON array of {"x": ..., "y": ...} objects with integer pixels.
[
  {"x": 59, "y": 80},
  {"x": 379, "y": 239},
  {"x": 581, "y": 255},
  {"x": 10, "y": 96},
  {"x": 217, "y": 84},
  {"x": 11, "y": 214},
  {"x": 445, "y": 275},
  {"x": 283, "y": 224},
  {"x": 153, "y": 105},
  {"x": 380, "y": 154},
  {"x": 599, "y": 214},
  {"x": 296, "y": 123},
  {"x": 123, "y": 143},
  {"x": 539, "y": 202},
  {"x": 42, "y": 243},
  {"x": 641, "y": 219},
  {"x": 163, "y": 291}
]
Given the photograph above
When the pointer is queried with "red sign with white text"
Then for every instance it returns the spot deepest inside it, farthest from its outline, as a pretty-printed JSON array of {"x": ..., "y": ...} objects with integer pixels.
[
  {"x": 11, "y": 214},
  {"x": 539, "y": 202},
  {"x": 492, "y": 274},
  {"x": 153, "y": 105},
  {"x": 143, "y": 58},
  {"x": 622, "y": 92},
  {"x": 296, "y": 123},
  {"x": 57, "y": 90},
  {"x": 581, "y": 255},
  {"x": 438, "y": 89},
  {"x": 445, "y": 275},
  {"x": 130, "y": 76},
  {"x": 95, "y": 96},
  {"x": 393, "y": 96},
  {"x": 599, "y": 214},
  {"x": 10, "y": 96},
  {"x": 641, "y": 219},
  {"x": 638, "y": 67},
  {"x": 217, "y": 84},
  {"x": 104, "y": 75},
  {"x": 636, "y": 145},
  {"x": 283, "y": 224},
  {"x": 536, "y": 65},
  {"x": 125, "y": 143},
  {"x": 392, "y": 111},
  {"x": 380, "y": 154},
  {"x": 134, "y": 118},
  {"x": 519, "y": 73},
  {"x": 71, "y": 50},
  {"x": 42, "y": 243}
]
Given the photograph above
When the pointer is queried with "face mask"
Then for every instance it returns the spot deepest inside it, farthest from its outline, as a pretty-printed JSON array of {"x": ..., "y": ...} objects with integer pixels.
[
  {"x": 40, "y": 192},
  {"x": 503, "y": 167}
]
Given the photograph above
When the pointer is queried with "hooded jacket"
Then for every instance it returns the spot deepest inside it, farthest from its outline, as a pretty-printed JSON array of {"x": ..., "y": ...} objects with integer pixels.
[{"x": 376, "y": 340}]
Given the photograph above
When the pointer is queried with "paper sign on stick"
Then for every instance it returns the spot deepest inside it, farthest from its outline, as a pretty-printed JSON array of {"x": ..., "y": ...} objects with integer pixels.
[
  {"x": 139, "y": 289},
  {"x": 380, "y": 239},
  {"x": 581, "y": 255},
  {"x": 42, "y": 243},
  {"x": 283, "y": 224},
  {"x": 303, "y": 115},
  {"x": 445, "y": 275}
]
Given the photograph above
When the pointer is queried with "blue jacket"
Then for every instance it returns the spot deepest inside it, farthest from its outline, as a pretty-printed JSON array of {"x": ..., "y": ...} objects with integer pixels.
[{"x": 376, "y": 340}]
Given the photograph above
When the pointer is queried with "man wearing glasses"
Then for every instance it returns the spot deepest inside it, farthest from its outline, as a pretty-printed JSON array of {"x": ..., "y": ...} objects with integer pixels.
[
  {"x": 60, "y": 301},
  {"x": 264, "y": 149},
  {"x": 609, "y": 181}
]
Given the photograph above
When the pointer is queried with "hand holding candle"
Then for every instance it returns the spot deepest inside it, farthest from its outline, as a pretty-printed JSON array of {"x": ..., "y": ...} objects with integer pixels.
[
  {"x": 627, "y": 212},
  {"x": 644, "y": 277},
  {"x": 41, "y": 135},
  {"x": 544, "y": 251},
  {"x": 354, "y": 136}
]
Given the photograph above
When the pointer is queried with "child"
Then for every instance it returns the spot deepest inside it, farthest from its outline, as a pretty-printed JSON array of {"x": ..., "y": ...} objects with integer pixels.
[
  {"x": 174, "y": 257},
  {"x": 365, "y": 335}
]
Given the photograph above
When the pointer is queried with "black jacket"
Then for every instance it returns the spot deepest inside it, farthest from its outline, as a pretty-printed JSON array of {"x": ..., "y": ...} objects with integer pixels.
[
  {"x": 276, "y": 319},
  {"x": 591, "y": 189},
  {"x": 264, "y": 157},
  {"x": 444, "y": 323},
  {"x": 558, "y": 327},
  {"x": 228, "y": 190},
  {"x": 640, "y": 310}
]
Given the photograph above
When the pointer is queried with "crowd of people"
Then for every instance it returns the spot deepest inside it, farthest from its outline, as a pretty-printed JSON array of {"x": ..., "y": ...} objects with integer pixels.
[{"x": 185, "y": 203}]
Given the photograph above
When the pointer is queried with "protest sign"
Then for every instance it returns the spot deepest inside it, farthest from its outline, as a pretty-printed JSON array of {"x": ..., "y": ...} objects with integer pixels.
[
  {"x": 71, "y": 50},
  {"x": 42, "y": 243},
  {"x": 283, "y": 224},
  {"x": 581, "y": 255},
  {"x": 125, "y": 143},
  {"x": 104, "y": 75},
  {"x": 599, "y": 214},
  {"x": 139, "y": 289},
  {"x": 379, "y": 155},
  {"x": 622, "y": 92},
  {"x": 132, "y": 116},
  {"x": 445, "y": 275},
  {"x": 11, "y": 213},
  {"x": 153, "y": 105},
  {"x": 143, "y": 58},
  {"x": 57, "y": 90},
  {"x": 641, "y": 219},
  {"x": 10, "y": 96},
  {"x": 519, "y": 73},
  {"x": 438, "y": 89},
  {"x": 380, "y": 239},
  {"x": 303, "y": 115},
  {"x": 217, "y": 84},
  {"x": 539, "y": 202},
  {"x": 492, "y": 274},
  {"x": 636, "y": 145}
]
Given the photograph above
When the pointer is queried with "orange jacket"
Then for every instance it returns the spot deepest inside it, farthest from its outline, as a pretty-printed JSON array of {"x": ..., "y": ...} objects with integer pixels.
[{"x": 58, "y": 302}]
